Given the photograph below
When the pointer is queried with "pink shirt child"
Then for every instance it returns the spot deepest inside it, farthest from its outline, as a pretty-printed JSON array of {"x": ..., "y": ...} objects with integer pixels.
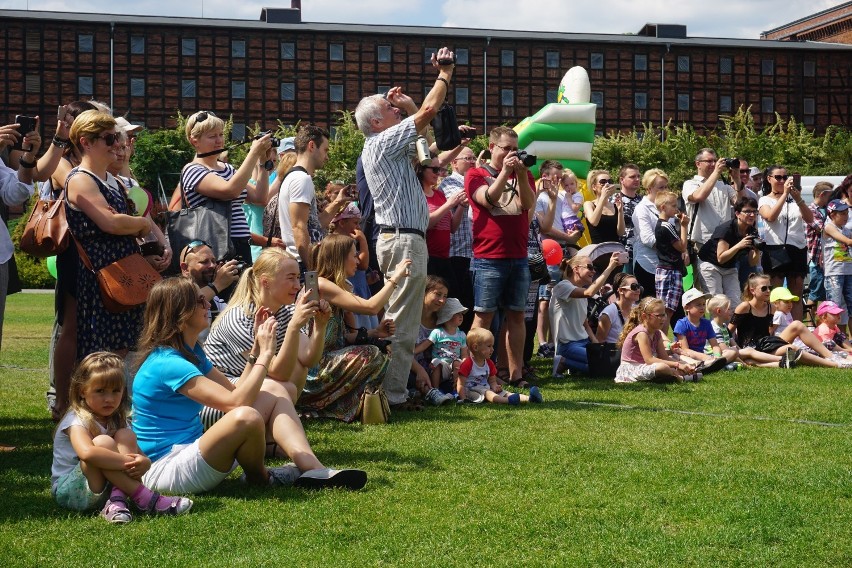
[{"x": 630, "y": 349}]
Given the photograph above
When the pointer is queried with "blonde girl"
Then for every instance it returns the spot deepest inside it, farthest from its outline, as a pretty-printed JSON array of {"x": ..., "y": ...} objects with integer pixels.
[
  {"x": 93, "y": 449},
  {"x": 643, "y": 352},
  {"x": 753, "y": 317}
]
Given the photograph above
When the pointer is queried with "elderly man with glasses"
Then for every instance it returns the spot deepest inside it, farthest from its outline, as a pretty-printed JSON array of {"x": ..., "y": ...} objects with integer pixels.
[{"x": 198, "y": 263}]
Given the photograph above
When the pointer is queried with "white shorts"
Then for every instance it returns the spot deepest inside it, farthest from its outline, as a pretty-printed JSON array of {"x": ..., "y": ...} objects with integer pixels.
[
  {"x": 629, "y": 372},
  {"x": 183, "y": 470}
]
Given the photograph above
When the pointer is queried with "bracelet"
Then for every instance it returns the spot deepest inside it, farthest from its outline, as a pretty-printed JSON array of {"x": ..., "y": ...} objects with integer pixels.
[
  {"x": 25, "y": 164},
  {"x": 214, "y": 288},
  {"x": 61, "y": 142},
  {"x": 394, "y": 282},
  {"x": 447, "y": 83},
  {"x": 262, "y": 365}
]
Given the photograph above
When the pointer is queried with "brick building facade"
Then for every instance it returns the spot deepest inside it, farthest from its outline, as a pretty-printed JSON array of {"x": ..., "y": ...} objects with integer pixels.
[
  {"x": 832, "y": 25},
  {"x": 262, "y": 71}
]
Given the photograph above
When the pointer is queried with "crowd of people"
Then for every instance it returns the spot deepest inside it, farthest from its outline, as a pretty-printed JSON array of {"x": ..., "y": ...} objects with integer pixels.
[{"x": 416, "y": 282}]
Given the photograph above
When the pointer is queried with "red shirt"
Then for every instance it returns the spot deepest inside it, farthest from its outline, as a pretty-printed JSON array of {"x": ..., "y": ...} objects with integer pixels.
[
  {"x": 496, "y": 236},
  {"x": 438, "y": 237}
]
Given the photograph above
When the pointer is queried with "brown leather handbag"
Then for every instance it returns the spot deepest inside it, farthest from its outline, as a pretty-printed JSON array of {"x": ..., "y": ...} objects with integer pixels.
[
  {"x": 46, "y": 232},
  {"x": 125, "y": 283}
]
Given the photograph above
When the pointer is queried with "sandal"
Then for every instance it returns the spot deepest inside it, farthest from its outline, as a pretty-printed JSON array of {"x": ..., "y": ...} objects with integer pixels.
[
  {"x": 519, "y": 383},
  {"x": 178, "y": 505},
  {"x": 503, "y": 376},
  {"x": 116, "y": 512}
]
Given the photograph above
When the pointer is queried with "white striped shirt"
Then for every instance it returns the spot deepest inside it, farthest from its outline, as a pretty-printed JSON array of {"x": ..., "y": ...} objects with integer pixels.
[
  {"x": 233, "y": 334},
  {"x": 398, "y": 197},
  {"x": 461, "y": 242},
  {"x": 191, "y": 178}
]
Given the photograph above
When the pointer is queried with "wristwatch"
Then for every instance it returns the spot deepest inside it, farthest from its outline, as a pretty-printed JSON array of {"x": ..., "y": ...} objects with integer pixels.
[{"x": 252, "y": 359}]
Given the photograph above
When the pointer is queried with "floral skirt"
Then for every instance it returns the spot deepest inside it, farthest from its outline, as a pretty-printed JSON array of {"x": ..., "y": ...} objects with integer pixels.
[{"x": 333, "y": 389}]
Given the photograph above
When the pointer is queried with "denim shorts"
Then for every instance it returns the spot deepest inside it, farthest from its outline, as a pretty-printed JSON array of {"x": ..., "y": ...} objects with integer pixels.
[
  {"x": 500, "y": 283},
  {"x": 72, "y": 491}
]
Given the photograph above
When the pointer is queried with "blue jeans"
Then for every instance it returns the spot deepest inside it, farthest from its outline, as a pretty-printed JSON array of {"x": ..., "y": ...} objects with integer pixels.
[
  {"x": 500, "y": 283},
  {"x": 574, "y": 355},
  {"x": 816, "y": 288},
  {"x": 838, "y": 289}
]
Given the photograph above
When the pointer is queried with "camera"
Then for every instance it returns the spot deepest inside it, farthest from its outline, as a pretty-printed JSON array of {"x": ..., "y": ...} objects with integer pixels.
[
  {"x": 241, "y": 265},
  {"x": 447, "y": 60},
  {"x": 526, "y": 158},
  {"x": 424, "y": 156},
  {"x": 274, "y": 139},
  {"x": 756, "y": 242},
  {"x": 732, "y": 163}
]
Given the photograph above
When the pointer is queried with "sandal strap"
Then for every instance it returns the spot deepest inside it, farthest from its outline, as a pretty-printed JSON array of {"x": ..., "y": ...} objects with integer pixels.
[{"x": 151, "y": 507}]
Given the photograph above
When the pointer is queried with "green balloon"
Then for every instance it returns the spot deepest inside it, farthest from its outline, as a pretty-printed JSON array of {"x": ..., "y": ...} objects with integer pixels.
[
  {"x": 51, "y": 266},
  {"x": 687, "y": 280}
]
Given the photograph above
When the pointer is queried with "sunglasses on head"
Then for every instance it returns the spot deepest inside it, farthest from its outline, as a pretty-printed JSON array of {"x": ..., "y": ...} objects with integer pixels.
[
  {"x": 191, "y": 248},
  {"x": 779, "y": 177},
  {"x": 203, "y": 115}
]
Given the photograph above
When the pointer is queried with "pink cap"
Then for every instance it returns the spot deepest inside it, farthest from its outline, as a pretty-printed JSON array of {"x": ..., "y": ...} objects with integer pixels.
[{"x": 829, "y": 307}]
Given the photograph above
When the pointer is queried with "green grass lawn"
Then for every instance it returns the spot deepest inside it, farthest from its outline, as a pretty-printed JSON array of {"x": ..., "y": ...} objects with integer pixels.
[{"x": 752, "y": 468}]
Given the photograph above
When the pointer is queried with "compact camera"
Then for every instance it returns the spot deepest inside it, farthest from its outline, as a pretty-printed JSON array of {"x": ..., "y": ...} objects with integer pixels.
[
  {"x": 732, "y": 163},
  {"x": 275, "y": 140}
]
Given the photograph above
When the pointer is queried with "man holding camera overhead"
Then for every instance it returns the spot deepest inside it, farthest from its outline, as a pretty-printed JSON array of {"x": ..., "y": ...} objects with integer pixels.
[
  {"x": 709, "y": 202},
  {"x": 502, "y": 200},
  {"x": 400, "y": 207}
]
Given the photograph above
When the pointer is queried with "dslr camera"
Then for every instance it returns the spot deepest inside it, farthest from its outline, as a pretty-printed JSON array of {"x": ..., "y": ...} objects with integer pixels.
[
  {"x": 526, "y": 158},
  {"x": 274, "y": 139},
  {"x": 732, "y": 163},
  {"x": 756, "y": 242},
  {"x": 241, "y": 265}
]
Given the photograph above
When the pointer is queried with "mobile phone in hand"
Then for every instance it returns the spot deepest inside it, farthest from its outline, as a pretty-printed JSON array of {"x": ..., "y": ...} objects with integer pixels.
[
  {"x": 797, "y": 180},
  {"x": 27, "y": 125},
  {"x": 312, "y": 285}
]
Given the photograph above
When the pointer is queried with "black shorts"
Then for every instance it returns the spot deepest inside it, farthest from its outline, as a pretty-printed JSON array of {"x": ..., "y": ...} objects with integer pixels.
[{"x": 798, "y": 264}]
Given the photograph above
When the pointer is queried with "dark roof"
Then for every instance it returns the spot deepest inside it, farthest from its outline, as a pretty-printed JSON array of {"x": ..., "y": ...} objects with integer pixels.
[
  {"x": 837, "y": 8},
  {"x": 376, "y": 29}
]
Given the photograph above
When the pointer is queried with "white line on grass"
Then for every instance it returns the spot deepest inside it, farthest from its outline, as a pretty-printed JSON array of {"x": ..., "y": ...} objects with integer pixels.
[{"x": 711, "y": 414}]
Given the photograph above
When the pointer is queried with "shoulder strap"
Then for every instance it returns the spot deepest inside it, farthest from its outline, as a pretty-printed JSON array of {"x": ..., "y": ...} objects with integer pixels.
[{"x": 275, "y": 217}]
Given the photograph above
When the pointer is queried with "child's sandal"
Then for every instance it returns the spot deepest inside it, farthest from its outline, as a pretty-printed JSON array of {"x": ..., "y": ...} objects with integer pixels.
[
  {"x": 178, "y": 506},
  {"x": 115, "y": 511}
]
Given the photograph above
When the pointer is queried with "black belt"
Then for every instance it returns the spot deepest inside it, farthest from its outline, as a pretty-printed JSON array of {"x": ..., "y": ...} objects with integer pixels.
[{"x": 402, "y": 230}]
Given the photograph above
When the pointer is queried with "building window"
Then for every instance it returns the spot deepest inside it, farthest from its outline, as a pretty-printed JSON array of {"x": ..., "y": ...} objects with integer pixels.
[
  {"x": 550, "y": 95},
  {"x": 809, "y": 69},
  {"x": 383, "y": 89},
  {"x": 551, "y": 59},
  {"x": 462, "y": 95},
  {"x": 507, "y": 57},
  {"x": 288, "y": 50},
  {"x": 640, "y": 62},
  {"x": 725, "y": 65},
  {"x": 462, "y": 56},
  {"x": 384, "y": 53},
  {"x": 33, "y": 84},
  {"x": 187, "y": 88},
  {"x": 596, "y": 61},
  {"x": 507, "y": 97},
  {"x": 137, "y": 45},
  {"x": 725, "y": 103},
  {"x": 238, "y": 89},
  {"x": 238, "y": 48},
  {"x": 683, "y": 63},
  {"x": 335, "y": 51},
  {"x": 85, "y": 86},
  {"x": 640, "y": 101},
  {"x": 767, "y": 67},
  {"x": 767, "y": 105},
  {"x": 809, "y": 105},
  {"x": 188, "y": 46},
  {"x": 597, "y": 99},
  {"x": 335, "y": 93},
  {"x": 683, "y": 102},
  {"x": 427, "y": 54},
  {"x": 33, "y": 41},
  {"x": 137, "y": 87},
  {"x": 86, "y": 43},
  {"x": 238, "y": 131},
  {"x": 288, "y": 91}
]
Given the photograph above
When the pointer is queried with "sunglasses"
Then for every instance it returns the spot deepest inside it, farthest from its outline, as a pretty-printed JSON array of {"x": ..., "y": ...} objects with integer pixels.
[
  {"x": 202, "y": 116},
  {"x": 744, "y": 171},
  {"x": 633, "y": 287},
  {"x": 779, "y": 177},
  {"x": 764, "y": 288},
  {"x": 604, "y": 181},
  {"x": 109, "y": 138},
  {"x": 590, "y": 267},
  {"x": 191, "y": 248},
  {"x": 749, "y": 212},
  {"x": 436, "y": 169}
]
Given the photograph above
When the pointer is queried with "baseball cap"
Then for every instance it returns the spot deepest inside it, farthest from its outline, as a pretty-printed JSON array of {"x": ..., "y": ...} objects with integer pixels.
[
  {"x": 123, "y": 124},
  {"x": 351, "y": 211},
  {"x": 691, "y": 295},
  {"x": 829, "y": 307},
  {"x": 286, "y": 145},
  {"x": 782, "y": 293},
  {"x": 449, "y": 309},
  {"x": 836, "y": 205},
  {"x": 754, "y": 171}
]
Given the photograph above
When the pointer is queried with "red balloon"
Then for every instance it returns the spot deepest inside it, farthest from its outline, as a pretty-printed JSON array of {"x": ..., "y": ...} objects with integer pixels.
[{"x": 551, "y": 251}]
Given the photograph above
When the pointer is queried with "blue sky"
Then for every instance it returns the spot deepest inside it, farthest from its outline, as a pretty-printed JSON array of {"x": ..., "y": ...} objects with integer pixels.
[{"x": 721, "y": 18}]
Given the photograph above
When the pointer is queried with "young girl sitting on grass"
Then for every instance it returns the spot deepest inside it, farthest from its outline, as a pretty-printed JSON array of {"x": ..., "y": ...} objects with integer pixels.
[
  {"x": 751, "y": 322},
  {"x": 828, "y": 331},
  {"x": 93, "y": 449},
  {"x": 643, "y": 353},
  {"x": 477, "y": 377}
]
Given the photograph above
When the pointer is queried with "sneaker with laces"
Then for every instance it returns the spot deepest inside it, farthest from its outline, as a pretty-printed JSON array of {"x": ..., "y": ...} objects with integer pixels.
[
  {"x": 546, "y": 350},
  {"x": 514, "y": 399},
  {"x": 327, "y": 478},
  {"x": 284, "y": 476},
  {"x": 792, "y": 356},
  {"x": 437, "y": 398}
]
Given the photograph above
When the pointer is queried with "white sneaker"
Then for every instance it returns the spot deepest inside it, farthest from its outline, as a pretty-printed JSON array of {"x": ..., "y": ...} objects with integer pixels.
[
  {"x": 284, "y": 476},
  {"x": 557, "y": 362},
  {"x": 327, "y": 478},
  {"x": 437, "y": 398}
]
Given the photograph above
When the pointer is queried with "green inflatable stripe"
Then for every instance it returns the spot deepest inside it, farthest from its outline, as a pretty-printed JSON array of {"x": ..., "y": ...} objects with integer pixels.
[
  {"x": 580, "y": 168},
  {"x": 556, "y": 133}
]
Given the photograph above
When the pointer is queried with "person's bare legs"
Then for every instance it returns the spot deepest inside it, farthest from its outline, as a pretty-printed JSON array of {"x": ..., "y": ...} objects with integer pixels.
[
  {"x": 282, "y": 424},
  {"x": 810, "y": 359},
  {"x": 798, "y": 329},
  {"x": 542, "y": 329},
  {"x": 240, "y": 435},
  {"x": 796, "y": 285},
  {"x": 64, "y": 356},
  {"x": 516, "y": 333}
]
